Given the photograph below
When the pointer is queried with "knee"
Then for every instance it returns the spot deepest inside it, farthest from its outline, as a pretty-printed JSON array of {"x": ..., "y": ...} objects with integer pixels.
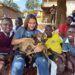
[
  {"x": 17, "y": 65},
  {"x": 41, "y": 61}
]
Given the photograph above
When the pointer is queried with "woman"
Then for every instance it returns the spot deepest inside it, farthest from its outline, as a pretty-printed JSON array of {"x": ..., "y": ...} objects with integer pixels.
[{"x": 28, "y": 31}]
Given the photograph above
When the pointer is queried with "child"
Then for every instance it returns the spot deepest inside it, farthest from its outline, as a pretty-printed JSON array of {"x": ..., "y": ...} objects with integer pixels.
[
  {"x": 18, "y": 22},
  {"x": 69, "y": 42},
  {"x": 53, "y": 43},
  {"x": 6, "y": 36},
  {"x": 69, "y": 46}
]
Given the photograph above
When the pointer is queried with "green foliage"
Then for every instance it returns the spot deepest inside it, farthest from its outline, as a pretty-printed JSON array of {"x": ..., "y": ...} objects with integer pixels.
[
  {"x": 15, "y": 6},
  {"x": 32, "y": 4}
]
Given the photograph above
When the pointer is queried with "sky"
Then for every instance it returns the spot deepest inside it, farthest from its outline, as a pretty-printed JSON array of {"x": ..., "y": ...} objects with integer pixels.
[{"x": 21, "y": 4}]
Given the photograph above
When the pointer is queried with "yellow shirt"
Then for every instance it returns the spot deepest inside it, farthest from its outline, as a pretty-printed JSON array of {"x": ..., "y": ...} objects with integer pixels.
[{"x": 54, "y": 43}]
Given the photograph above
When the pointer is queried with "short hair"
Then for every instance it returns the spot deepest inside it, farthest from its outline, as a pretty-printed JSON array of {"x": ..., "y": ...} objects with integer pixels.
[
  {"x": 7, "y": 19},
  {"x": 48, "y": 26},
  {"x": 20, "y": 19}
]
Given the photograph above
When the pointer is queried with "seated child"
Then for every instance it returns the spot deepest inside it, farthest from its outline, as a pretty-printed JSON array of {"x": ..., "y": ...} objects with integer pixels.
[
  {"x": 6, "y": 36},
  {"x": 53, "y": 43}
]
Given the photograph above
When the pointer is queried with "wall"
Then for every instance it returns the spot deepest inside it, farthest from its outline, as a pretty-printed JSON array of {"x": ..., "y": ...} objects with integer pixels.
[{"x": 70, "y": 6}]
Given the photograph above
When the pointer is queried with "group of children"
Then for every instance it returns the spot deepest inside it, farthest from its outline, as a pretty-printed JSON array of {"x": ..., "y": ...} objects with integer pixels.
[{"x": 55, "y": 44}]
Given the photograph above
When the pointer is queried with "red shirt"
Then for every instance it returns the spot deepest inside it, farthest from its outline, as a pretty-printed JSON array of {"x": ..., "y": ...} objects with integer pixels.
[{"x": 63, "y": 29}]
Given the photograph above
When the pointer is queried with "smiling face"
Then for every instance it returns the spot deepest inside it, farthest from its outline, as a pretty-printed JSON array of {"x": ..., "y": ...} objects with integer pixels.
[
  {"x": 48, "y": 30},
  {"x": 31, "y": 24},
  {"x": 71, "y": 34},
  {"x": 7, "y": 25}
]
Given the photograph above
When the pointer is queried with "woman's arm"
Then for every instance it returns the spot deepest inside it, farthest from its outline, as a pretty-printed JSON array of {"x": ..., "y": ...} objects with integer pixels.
[{"x": 17, "y": 41}]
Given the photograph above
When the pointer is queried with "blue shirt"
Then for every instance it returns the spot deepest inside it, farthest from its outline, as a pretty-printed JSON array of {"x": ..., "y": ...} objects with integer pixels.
[
  {"x": 22, "y": 32},
  {"x": 68, "y": 47}
]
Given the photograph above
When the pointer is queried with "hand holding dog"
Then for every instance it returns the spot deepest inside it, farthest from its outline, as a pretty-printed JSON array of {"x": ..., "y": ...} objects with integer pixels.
[{"x": 38, "y": 48}]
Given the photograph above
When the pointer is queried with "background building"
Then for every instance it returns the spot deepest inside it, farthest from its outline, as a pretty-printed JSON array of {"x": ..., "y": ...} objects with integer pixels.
[{"x": 9, "y": 12}]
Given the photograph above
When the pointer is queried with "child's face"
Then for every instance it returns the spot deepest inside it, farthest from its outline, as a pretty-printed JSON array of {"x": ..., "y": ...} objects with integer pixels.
[
  {"x": 48, "y": 31},
  {"x": 69, "y": 20},
  {"x": 71, "y": 34},
  {"x": 18, "y": 22},
  {"x": 31, "y": 24},
  {"x": 6, "y": 26}
]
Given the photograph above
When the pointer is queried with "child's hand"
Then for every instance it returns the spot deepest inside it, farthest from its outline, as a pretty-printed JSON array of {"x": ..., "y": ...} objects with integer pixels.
[{"x": 39, "y": 48}]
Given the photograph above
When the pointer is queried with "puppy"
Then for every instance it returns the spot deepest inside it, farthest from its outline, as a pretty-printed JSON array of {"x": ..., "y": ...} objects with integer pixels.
[
  {"x": 39, "y": 41},
  {"x": 26, "y": 47},
  {"x": 29, "y": 44}
]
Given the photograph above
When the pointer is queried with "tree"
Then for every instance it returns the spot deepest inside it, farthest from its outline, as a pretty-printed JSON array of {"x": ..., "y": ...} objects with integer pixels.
[
  {"x": 15, "y": 6},
  {"x": 10, "y": 3},
  {"x": 61, "y": 11},
  {"x": 32, "y": 4}
]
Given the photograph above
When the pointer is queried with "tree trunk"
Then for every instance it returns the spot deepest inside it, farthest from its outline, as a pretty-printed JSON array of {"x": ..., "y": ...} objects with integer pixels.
[{"x": 61, "y": 12}]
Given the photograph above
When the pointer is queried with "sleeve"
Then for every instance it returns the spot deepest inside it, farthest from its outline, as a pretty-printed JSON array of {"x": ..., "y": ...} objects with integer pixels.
[
  {"x": 72, "y": 49},
  {"x": 61, "y": 28},
  {"x": 60, "y": 39},
  {"x": 47, "y": 44},
  {"x": 18, "y": 33}
]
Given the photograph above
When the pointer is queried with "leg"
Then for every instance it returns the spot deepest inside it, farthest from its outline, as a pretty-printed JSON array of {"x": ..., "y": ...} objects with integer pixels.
[
  {"x": 17, "y": 65},
  {"x": 42, "y": 65},
  {"x": 54, "y": 18},
  {"x": 2, "y": 68},
  {"x": 53, "y": 68},
  {"x": 51, "y": 18}
]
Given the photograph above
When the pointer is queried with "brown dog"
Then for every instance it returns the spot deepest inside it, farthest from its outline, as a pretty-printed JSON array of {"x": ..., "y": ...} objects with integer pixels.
[
  {"x": 26, "y": 47},
  {"x": 39, "y": 41},
  {"x": 29, "y": 44}
]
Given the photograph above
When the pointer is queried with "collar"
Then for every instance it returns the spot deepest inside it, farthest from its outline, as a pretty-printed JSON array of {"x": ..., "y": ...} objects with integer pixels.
[
  {"x": 11, "y": 33},
  {"x": 67, "y": 40}
]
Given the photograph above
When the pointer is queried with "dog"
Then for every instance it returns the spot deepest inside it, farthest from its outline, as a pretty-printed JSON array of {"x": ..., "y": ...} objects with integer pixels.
[
  {"x": 40, "y": 41},
  {"x": 28, "y": 45}
]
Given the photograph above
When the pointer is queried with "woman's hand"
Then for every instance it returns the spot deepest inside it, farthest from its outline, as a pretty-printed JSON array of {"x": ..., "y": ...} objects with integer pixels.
[{"x": 38, "y": 48}]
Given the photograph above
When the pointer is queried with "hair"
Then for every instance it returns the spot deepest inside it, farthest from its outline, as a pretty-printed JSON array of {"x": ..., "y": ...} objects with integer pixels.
[
  {"x": 20, "y": 19},
  {"x": 7, "y": 19},
  {"x": 30, "y": 16},
  {"x": 48, "y": 26},
  {"x": 72, "y": 26},
  {"x": 69, "y": 17}
]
